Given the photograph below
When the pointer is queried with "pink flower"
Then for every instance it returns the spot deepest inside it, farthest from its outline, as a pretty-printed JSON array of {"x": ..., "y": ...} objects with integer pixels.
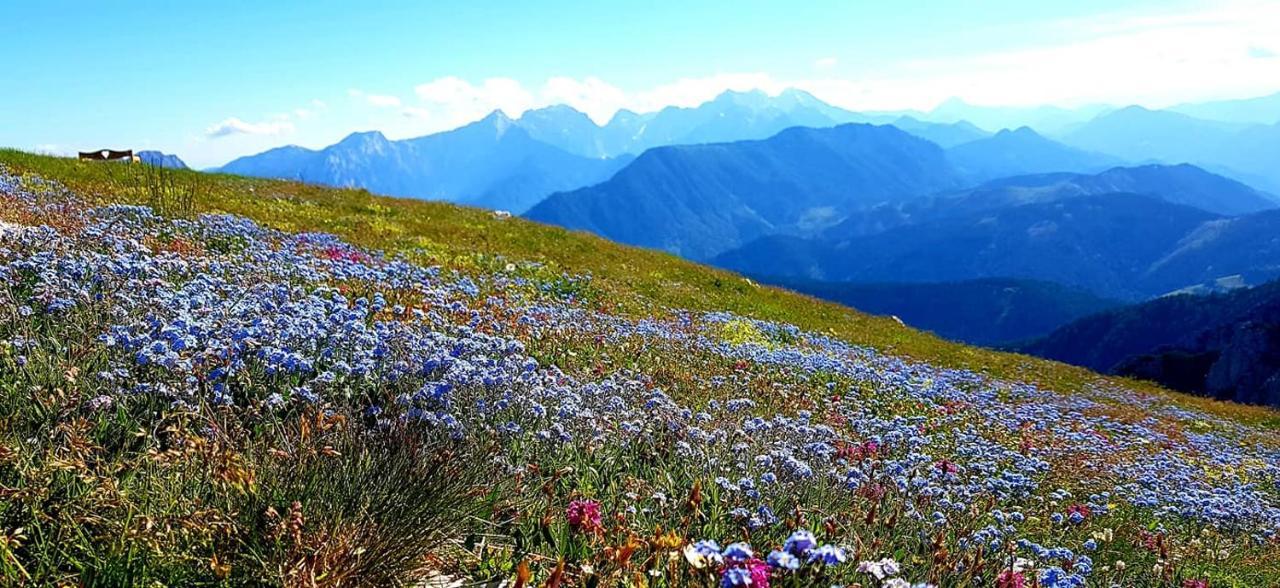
[
  {"x": 1011, "y": 579},
  {"x": 752, "y": 572},
  {"x": 583, "y": 515},
  {"x": 759, "y": 572},
  {"x": 1195, "y": 584}
]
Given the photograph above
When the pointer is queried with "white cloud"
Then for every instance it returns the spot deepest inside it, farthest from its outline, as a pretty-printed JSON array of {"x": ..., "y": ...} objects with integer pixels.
[
  {"x": 1257, "y": 52},
  {"x": 1227, "y": 49},
  {"x": 689, "y": 92},
  {"x": 415, "y": 112},
  {"x": 593, "y": 96},
  {"x": 382, "y": 101},
  {"x": 453, "y": 101},
  {"x": 1153, "y": 59},
  {"x": 378, "y": 100},
  {"x": 235, "y": 126},
  {"x": 316, "y": 106}
]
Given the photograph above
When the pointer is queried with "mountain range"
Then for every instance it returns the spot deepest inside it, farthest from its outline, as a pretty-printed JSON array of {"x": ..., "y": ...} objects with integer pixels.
[
  {"x": 499, "y": 162},
  {"x": 1023, "y": 151},
  {"x": 991, "y": 311},
  {"x": 492, "y": 162},
  {"x": 1222, "y": 345},
  {"x": 731, "y": 116},
  {"x": 1247, "y": 152},
  {"x": 1117, "y": 245},
  {"x": 164, "y": 160},
  {"x": 700, "y": 200},
  {"x": 512, "y": 164}
]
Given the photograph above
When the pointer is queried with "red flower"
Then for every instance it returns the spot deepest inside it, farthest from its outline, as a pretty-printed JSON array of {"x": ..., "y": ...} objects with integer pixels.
[{"x": 583, "y": 515}]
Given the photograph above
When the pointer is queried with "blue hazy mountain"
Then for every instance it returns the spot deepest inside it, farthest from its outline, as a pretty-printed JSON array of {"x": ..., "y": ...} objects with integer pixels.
[
  {"x": 164, "y": 160},
  {"x": 1180, "y": 184},
  {"x": 1253, "y": 154},
  {"x": 1226, "y": 346},
  {"x": 1261, "y": 110},
  {"x": 1242, "y": 151},
  {"x": 1046, "y": 119},
  {"x": 700, "y": 200},
  {"x": 731, "y": 116},
  {"x": 1123, "y": 246},
  {"x": 502, "y": 163},
  {"x": 944, "y": 134},
  {"x": 983, "y": 312},
  {"x": 1023, "y": 151},
  {"x": 1138, "y": 134},
  {"x": 492, "y": 162},
  {"x": 284, "y": 162},
  {"x": 568, "y": 129}
]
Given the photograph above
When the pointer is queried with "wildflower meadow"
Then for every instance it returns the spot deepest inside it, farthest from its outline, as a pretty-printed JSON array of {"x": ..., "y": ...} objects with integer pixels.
[{"x": 198, "y": 399}]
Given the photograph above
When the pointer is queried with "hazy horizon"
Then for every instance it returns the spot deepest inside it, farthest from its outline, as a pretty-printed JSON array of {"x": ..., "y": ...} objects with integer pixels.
[{"x": 210, "y": 88}]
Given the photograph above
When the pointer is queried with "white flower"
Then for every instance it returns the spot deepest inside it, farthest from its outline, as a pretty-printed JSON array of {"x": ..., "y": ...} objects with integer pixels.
[{"x": 885, "y": 568}]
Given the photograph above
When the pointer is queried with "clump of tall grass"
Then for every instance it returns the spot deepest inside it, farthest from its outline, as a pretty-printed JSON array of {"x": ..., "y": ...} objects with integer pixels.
[
  {"x": 168, "y": 191},
  {"x": 122, "y": 492}
]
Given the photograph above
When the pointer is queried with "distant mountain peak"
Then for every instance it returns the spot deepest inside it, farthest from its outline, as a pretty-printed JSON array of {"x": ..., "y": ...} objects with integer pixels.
[
  {"x": 951, "y": 103},
  {"x": 497, "y": 120},
  {"x": 161, "y": 159},
  {"x": 1134, "y": 109},
  {"x": 363, "y": 139},
  {"x": 800, "y": 96},
  {"x": 554, "y": 109},
  {"x": 1023, "y": 132},
  {"x": 754, "y": 98},
  {"x": 497, "y": 117}
]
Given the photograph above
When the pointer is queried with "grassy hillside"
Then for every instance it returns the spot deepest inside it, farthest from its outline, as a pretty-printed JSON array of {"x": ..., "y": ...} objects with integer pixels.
[
  {"x": 320, "y": 387},
  {"x": 993, "y": 312},
  {"x": 625, "y": 279}
]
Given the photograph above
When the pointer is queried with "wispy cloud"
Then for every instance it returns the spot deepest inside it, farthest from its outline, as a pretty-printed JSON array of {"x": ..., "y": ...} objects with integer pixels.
[
  {"x": 378, "y": 100},
  {"x": 452, "y": 100},
  {"x": 1154, "y": 57},
  {"x": 313, "y": 108},
  {"x": 415, "y": 112},
  {"x": 235, "y": 126},
  {"x": 457, "y": 100},
  {"x": 1257, "y": 52}
]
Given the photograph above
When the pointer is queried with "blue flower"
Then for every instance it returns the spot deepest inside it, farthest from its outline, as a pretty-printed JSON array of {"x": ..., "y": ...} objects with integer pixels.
[
  {"x": 828, "y": 555},
  {"x": 738, "y": 552},
  {"x": 800, "y": 543},
  {"x": 782, "y": 560}
]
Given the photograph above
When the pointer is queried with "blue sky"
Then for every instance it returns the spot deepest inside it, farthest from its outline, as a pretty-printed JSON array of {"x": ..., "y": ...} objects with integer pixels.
[{"x": 213, "y": 82}]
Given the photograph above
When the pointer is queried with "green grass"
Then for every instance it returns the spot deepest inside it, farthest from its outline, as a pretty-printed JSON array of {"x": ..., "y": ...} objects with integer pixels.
[
  {"x": 625, "y": 280},
  {"x": 248, "y": 495}
]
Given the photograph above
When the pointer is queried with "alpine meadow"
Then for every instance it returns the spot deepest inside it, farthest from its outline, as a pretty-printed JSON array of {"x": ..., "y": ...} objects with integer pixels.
[{"x": 685, "y": 294}]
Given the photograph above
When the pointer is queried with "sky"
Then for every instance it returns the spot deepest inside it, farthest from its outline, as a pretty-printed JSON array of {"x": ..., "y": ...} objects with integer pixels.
[{"x": 213, "y": 81}]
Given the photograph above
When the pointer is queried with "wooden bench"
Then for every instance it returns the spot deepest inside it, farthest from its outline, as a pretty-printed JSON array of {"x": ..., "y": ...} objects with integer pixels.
[{"x": 109, "y": 155}]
